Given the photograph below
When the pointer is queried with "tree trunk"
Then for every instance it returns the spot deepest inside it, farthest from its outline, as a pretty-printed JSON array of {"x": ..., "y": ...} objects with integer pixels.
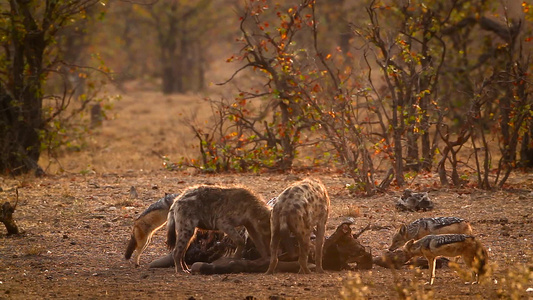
[
  {"x": 412, "y": 150},
  {"x": 397, "y": 124},
  {"x": 285, "y": 137},
  {"x": 21, "y": 109},
  {"x": 168, "y": 79},
  {"x": 6, "y": 217},
  {"x": 526, "y": 150},
  {"x": 201, "y": 69}
]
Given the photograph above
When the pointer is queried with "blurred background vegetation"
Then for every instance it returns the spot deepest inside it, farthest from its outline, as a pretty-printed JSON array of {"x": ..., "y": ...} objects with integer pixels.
[{"x": 380, "y": 90}]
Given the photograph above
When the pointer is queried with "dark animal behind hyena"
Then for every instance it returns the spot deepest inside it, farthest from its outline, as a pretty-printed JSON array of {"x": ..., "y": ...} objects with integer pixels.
[{"x": 217, "y": 208}]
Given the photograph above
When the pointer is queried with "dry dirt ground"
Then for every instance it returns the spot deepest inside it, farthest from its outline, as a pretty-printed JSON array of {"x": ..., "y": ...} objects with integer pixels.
[{"x": 76, "y": 223}]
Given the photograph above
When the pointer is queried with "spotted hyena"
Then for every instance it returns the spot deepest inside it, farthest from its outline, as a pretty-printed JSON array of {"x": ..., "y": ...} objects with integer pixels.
[
  {"x": 217, "y": 208},
  {"x": 299, "y": 208}
]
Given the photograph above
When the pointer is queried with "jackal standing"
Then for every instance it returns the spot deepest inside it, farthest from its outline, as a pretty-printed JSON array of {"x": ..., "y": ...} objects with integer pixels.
[
  {"x": 472, "y": 251},
  {"x": 424, "y": 226}
]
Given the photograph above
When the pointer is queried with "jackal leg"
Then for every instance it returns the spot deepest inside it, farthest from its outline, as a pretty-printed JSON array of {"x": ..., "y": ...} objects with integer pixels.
[
  {"x": 144, "y": 239},
  {"x": 432, "y": 264}
]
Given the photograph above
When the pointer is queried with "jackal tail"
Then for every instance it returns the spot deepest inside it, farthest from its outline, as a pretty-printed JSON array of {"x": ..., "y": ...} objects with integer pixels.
[
  {"x": 482, "y": 259},
  {"x": 140, "y": 237},
  {"x": 132, "y": 245}
]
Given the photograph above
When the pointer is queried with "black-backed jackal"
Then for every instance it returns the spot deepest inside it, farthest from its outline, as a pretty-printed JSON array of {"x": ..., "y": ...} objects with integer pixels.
[
  {"x": 424, "y": 226},
  {"x": 298, "y": 209},
  {"x": 217, "y": 208},
  {"x": 150, "y": 220},
  {"x": 472, "y": 251}
]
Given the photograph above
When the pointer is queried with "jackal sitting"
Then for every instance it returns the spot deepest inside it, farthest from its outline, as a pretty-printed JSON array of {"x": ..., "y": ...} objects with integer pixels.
[
  {"x": 422, "y": 227},
  {"x": 299, "y": 208},
  {"x": 150, "y": 220},
  {"x": 450, "y": 245},
  {"x": 217, "y": 208}
]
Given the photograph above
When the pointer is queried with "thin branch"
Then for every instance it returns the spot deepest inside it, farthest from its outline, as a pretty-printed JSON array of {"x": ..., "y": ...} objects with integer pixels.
[
  {"x": 357, "y": 235},
  {"x": 235, "y": 73}
]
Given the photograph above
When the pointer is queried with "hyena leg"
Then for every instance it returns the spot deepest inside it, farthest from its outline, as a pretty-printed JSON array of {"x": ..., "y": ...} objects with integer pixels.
[
  {"x": 184, "y": 232},
  {"x": 288, "y": 245},
  {"x": 303, "y": 244},
  {"x": 432, "y": 264},
  {"x": 258, "y": 241},
  {"x": 235, "y": 236},
  {"x": 319, "y": 246},
  {"x": 274, "y": 246}
]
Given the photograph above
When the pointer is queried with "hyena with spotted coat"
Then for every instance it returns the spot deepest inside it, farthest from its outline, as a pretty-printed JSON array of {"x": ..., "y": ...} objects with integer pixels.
[
  {"x": 217, "y": 208},
  {"x": 299, "y": 208}
]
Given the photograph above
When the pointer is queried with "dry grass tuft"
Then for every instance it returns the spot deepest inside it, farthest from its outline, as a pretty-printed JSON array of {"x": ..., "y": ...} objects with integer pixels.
[
  {"x": 354, "y": 288},
  {"x": 352, "y": 210},
  {"x": 34, "y": 250}
]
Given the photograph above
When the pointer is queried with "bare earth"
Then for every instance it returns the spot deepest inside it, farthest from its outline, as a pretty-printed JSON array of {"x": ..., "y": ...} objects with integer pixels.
[
  {"x": 77, "y": 228},
  {"x": 77, "y": 225}
]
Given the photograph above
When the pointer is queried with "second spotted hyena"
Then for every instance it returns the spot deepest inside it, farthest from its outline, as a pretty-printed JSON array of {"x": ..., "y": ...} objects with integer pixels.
[
  {"x": 217, "y": 208},
  {"x": 299, "y": 208}
]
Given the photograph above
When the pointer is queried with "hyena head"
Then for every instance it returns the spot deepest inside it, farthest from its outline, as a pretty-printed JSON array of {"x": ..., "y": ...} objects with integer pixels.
[
  {"x": 399, "y": 238},
  {"x": 263, "y": 226}
]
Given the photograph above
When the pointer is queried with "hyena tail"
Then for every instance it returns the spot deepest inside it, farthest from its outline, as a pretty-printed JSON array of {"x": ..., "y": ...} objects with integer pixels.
[
  {"x": 283, "y": 223},
  {"x": 171, "y": 231},
  {"x": 131, "y": 247},
  {"x": 285, "y": 233}
]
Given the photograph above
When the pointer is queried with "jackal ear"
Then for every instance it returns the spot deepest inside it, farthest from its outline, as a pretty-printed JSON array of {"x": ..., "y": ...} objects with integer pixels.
[
  {"x": 409, "y": 244},
  {"x": 403, "y": 229}
]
